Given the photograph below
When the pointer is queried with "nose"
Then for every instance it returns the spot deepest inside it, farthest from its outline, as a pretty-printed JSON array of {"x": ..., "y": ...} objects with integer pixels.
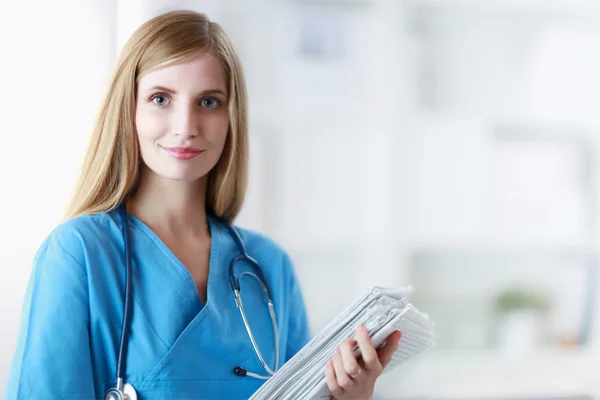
[{"x": 185, "y": 122}]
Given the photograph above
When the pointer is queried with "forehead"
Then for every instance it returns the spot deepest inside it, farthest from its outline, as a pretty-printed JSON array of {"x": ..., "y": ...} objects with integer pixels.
[{"x": 201, "y": 72}]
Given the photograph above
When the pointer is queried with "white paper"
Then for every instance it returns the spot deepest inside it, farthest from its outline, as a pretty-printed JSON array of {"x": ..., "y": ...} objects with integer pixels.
[{"x": 382, "y": 311}]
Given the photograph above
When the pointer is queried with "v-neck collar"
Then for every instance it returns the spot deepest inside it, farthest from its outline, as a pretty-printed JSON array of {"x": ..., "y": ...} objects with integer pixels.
[{"x": 213, "y": 265}]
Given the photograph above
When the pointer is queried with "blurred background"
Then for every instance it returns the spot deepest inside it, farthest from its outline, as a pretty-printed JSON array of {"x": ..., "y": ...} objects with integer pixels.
[{"x": 452, "y": 145}]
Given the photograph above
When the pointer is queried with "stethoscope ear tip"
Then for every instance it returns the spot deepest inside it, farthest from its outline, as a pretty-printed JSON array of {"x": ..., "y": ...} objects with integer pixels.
[{"x": 239, "y": 371}]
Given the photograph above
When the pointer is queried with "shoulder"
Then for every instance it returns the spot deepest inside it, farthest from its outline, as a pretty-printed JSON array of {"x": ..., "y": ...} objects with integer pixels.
[
  {"x": 74, "y": 236},
  {"x": 259, "y": 243},
  {"x": 276, "y": 264},
  {"x": 270, "y": 255}
]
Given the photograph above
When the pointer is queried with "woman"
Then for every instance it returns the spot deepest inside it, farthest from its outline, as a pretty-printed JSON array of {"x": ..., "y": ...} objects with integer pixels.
[{"x": 164, "y": 176}]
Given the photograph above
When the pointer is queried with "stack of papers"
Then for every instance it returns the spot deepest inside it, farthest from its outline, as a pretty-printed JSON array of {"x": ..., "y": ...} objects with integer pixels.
[{"x": 381, "y": 311}]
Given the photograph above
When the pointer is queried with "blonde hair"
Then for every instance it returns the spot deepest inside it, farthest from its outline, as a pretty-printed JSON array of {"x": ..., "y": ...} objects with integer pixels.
[{"x": 111, "y": 167}]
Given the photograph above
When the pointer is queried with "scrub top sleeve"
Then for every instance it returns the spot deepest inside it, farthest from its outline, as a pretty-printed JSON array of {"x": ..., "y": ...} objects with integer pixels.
[
  {"x": 298, "y": 325},
  {"x": 52, "y": 359}
]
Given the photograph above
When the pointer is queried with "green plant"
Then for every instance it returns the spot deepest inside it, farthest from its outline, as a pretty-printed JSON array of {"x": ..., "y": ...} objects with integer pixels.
[{"x": 521, "y": 299}]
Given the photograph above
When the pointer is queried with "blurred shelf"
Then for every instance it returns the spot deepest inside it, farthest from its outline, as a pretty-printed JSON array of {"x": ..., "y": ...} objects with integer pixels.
[
  {"x": 557, "y": 7},
  {"x": 366, "y": 244},
  {"x": 479, "y": 375},
  {"x": 551, "y": 247}
]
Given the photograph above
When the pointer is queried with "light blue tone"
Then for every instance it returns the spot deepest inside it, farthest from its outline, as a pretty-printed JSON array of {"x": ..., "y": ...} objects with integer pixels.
[{"x": 178, "y": 347}]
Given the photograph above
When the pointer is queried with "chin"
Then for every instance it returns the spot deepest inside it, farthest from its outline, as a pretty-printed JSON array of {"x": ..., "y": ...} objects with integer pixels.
[
  {"x": 182, "y": 177},
  {"x": 180, "y": 173}
]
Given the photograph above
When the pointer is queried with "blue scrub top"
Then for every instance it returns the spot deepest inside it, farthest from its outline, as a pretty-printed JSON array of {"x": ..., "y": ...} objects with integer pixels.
[{"x": 179, "y": 348}]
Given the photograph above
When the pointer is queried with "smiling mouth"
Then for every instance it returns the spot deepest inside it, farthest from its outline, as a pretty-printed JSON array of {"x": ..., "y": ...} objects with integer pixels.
[{"x": 183, "y": 153}]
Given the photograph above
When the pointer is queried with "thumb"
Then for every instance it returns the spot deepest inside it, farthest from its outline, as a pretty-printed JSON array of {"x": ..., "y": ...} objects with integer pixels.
[{"x": 387, "y": 350}]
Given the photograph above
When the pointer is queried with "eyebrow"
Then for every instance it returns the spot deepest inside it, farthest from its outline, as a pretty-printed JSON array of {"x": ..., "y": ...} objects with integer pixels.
[{"x": 171, "y": 91}]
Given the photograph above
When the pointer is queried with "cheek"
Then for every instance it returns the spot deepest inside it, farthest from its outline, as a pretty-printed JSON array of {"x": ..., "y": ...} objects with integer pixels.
[
  {"x": 147, "y": 126},
  {"x": 219, "y": 130}
]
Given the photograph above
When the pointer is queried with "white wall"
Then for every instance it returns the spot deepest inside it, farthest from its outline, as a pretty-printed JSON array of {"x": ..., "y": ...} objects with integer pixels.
[{"x": 56, "y": 58}]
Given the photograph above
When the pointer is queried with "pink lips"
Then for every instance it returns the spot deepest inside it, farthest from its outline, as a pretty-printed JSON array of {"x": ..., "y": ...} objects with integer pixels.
[{"x": 183, "y": 153}]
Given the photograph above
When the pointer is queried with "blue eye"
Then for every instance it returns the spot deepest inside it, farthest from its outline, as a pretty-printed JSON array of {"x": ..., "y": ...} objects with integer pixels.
[
  {"x": 159, "y": 100},
  {"x": 210, "y": 102}
]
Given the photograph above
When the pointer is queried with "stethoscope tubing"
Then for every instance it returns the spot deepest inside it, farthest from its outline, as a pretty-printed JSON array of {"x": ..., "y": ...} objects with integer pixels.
[{"x": 119, "y": 390}]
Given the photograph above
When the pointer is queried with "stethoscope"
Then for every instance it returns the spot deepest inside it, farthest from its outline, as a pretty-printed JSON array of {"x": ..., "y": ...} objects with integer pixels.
[{"x": 123, "y": 390}]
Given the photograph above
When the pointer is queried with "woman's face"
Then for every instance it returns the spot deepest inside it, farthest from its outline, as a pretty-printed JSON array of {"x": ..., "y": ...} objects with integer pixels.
[{"x": 181, "y": 118}]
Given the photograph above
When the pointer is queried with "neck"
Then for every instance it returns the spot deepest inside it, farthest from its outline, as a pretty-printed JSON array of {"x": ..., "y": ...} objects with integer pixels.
[{"x": 175, "y": 208}]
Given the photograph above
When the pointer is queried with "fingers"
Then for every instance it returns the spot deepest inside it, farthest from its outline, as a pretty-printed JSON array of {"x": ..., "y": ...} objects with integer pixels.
[
  {"x": 343, "y": 372},
  {"x": 369, "y": 354},
  {"x": 386, "y": 352},
  {"x": 343, "y": 379},
  {"x": 335, "y": 389},
  {"x": 349, "y": 359}
]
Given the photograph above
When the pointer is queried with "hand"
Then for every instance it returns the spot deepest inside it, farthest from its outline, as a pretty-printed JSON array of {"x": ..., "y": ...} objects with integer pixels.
[{"x": 349, "y": 378}]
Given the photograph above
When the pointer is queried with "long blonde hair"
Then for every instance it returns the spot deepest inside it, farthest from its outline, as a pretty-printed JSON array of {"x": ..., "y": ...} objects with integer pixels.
[{"x": 111, "y": 167}]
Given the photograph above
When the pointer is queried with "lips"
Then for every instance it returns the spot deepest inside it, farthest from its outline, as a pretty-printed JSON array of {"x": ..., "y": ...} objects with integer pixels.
[{"x": 183, "y": 153}]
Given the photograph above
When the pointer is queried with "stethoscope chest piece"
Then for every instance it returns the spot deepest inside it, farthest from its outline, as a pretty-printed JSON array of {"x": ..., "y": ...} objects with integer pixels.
[{"x": 128, "y": 393}]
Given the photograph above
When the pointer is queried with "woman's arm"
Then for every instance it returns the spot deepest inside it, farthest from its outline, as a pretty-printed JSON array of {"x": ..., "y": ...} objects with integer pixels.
[
  {"x": 52, "y": 359},
  {"x": 299, "y": 329}
]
